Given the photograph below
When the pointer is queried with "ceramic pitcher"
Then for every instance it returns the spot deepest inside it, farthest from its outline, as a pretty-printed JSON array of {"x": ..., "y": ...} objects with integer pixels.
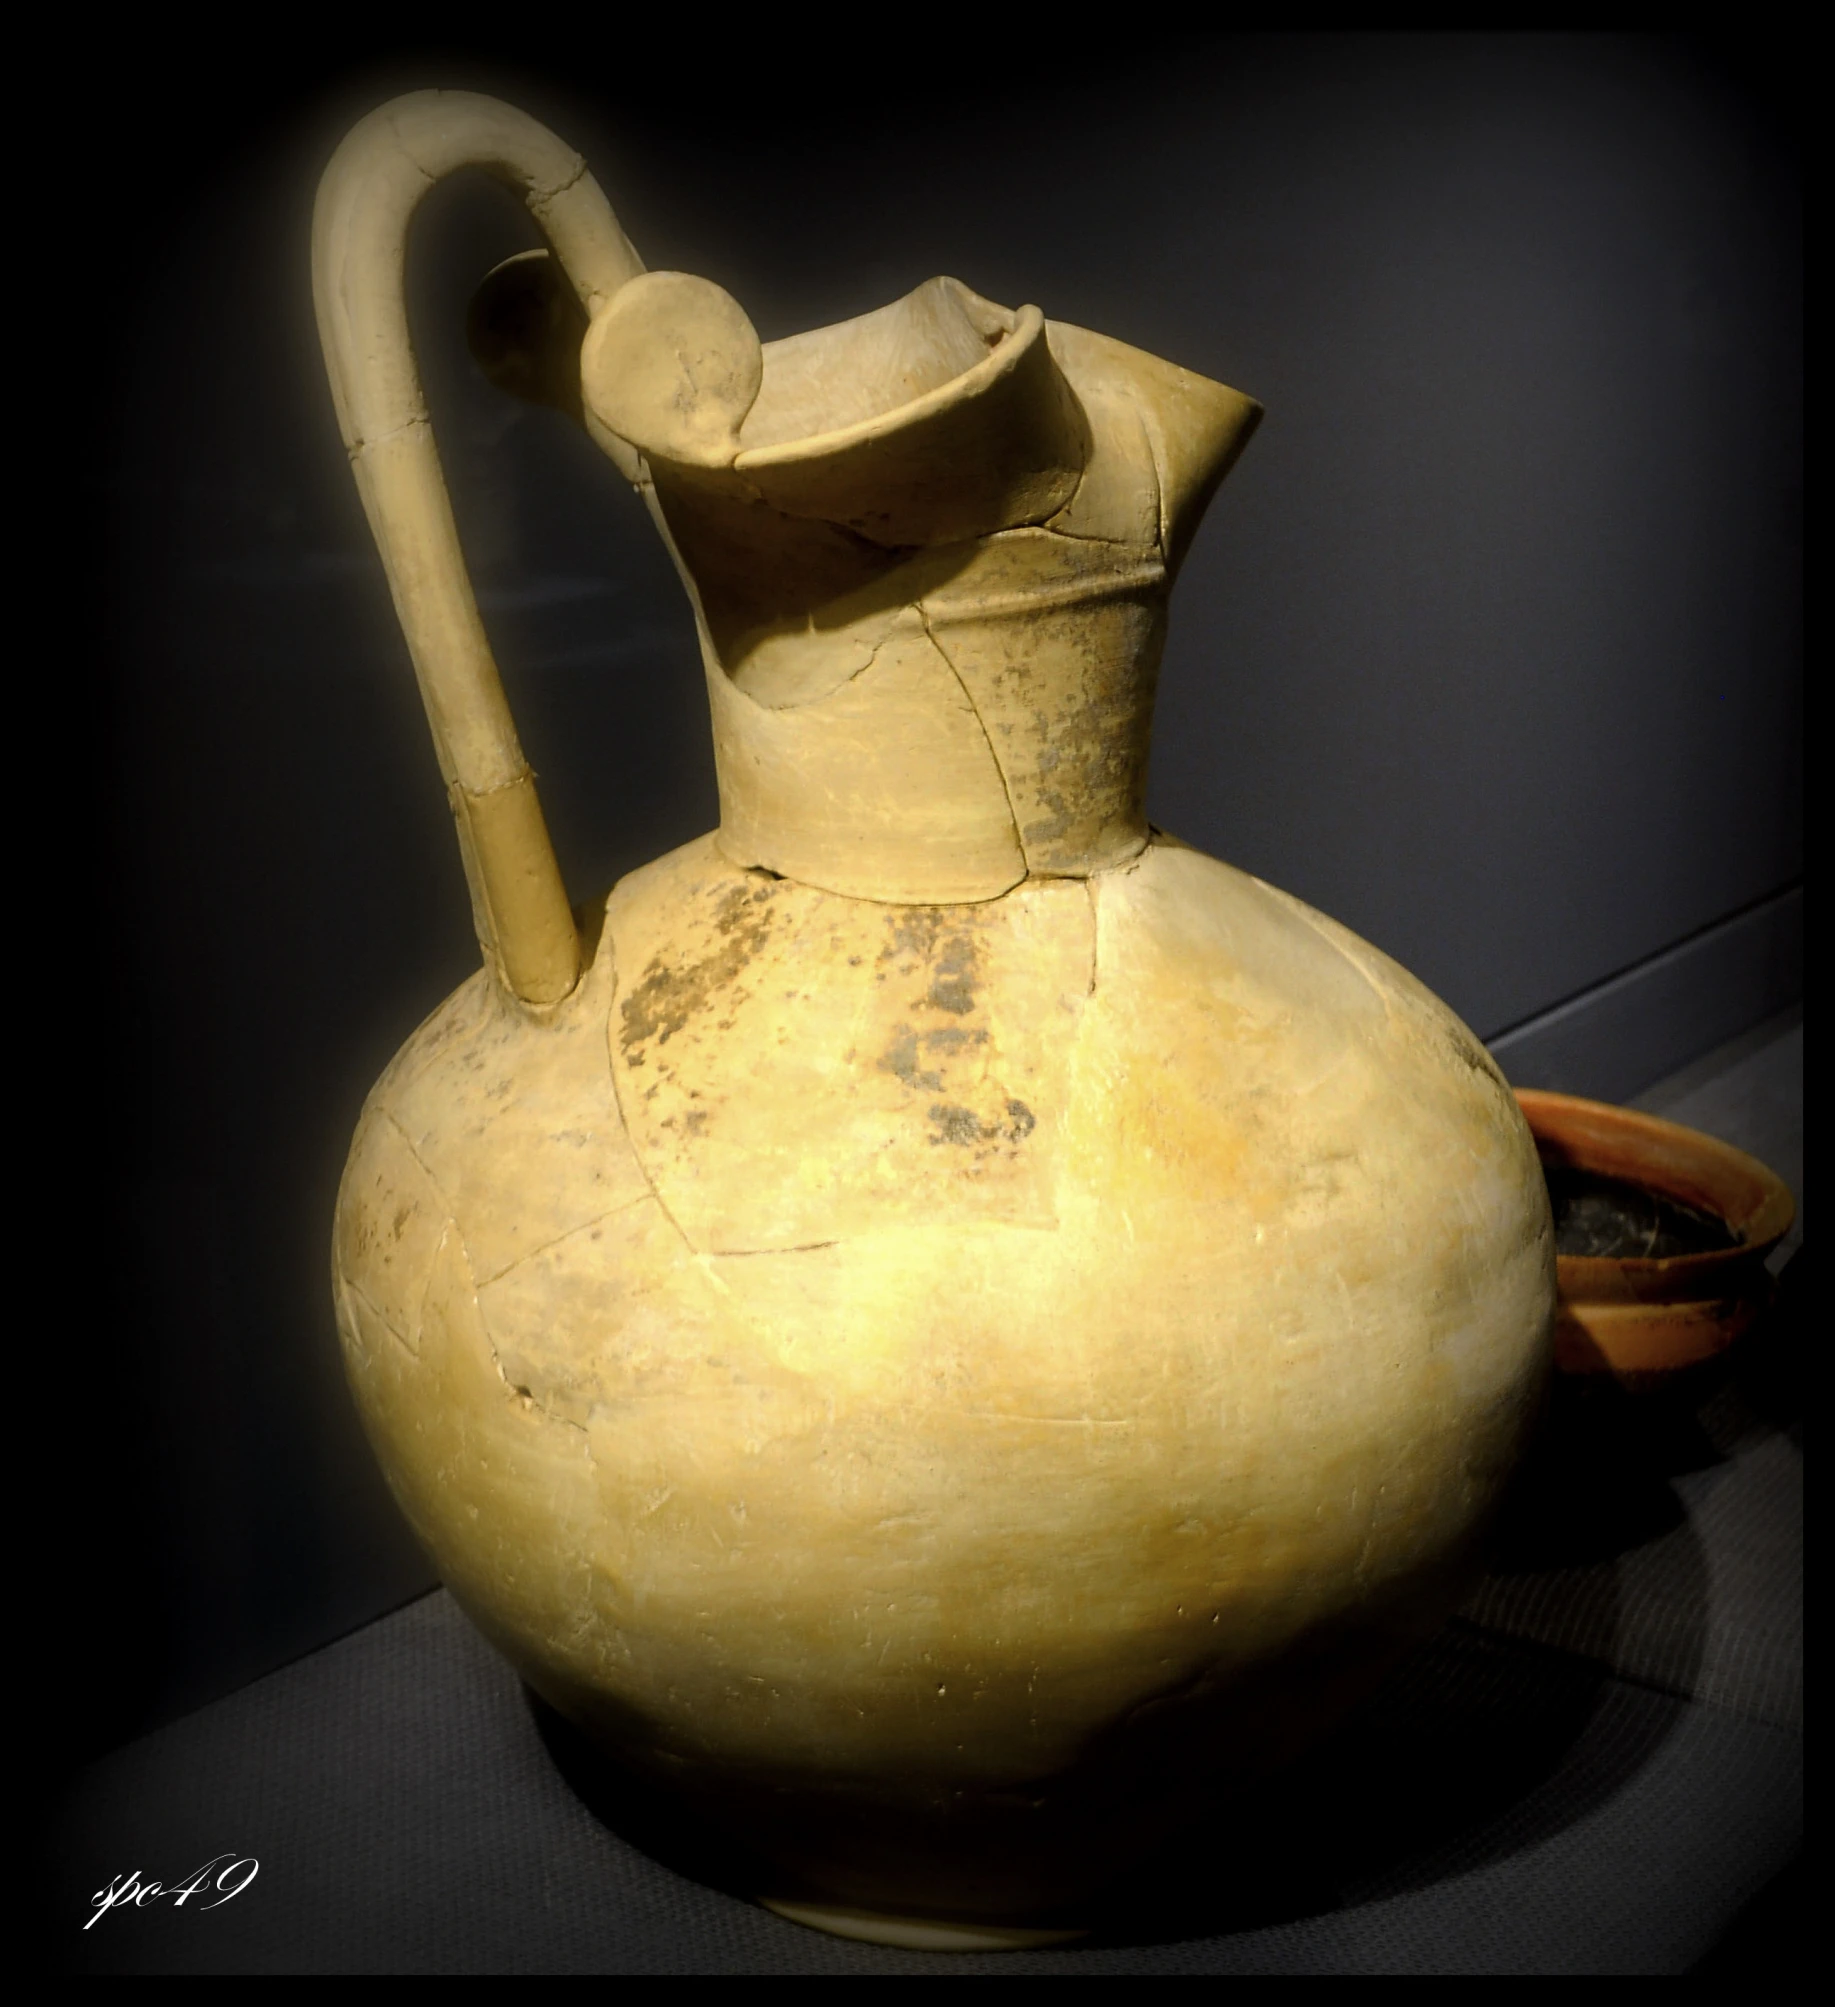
[{"x": 940, "y": 1326}]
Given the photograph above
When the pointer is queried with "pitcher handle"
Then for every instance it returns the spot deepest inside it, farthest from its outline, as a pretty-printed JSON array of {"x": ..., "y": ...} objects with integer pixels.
[{"x": 367, "y": 197}]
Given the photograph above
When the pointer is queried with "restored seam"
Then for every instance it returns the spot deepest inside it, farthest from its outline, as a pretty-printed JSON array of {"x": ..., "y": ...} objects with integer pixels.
[
  {"x": 746, "y": 1253},
  {"x": 637, "y": 1156},
  {"x": 554, "y": 1240},
  {"x": 376, "y": 1310},
  {"x": 1006, "y": 786},
  {"x": 452, "y": 1226},
  {"x": 805, "y": 703},
  {"x": 426, "y": 1169},
  {"x": 1089, "y": 886}
]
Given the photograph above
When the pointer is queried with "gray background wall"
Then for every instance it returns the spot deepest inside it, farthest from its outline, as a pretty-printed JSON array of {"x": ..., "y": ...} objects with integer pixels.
[{"x": 1489, "y": 646}]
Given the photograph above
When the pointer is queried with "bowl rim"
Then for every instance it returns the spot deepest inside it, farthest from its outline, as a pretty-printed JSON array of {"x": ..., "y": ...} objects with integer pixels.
[{"x": 1625, "y": 1142}]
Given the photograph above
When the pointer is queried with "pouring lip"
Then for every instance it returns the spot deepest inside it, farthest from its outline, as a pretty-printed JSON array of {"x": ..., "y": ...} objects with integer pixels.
[{"x": 1001, "y": 360}]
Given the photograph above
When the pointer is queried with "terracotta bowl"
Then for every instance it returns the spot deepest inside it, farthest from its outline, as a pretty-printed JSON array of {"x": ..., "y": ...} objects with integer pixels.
[{"x": 1640, "y": 1318}]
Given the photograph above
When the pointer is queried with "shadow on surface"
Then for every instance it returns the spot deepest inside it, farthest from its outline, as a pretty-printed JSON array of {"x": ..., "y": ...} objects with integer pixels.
[
  {"x": 642, "y": 1817},
  {"x": 1541, "y": 1701},
  {"x": 1513, "y": 1723},
  {"x": 1768, "y": 1371},
  {"x": 1479, "y": 1748},
  {"x": 1767, "y": 1939}
]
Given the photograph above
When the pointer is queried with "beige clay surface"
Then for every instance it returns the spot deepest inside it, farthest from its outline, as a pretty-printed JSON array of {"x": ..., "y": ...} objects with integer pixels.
[{"x": 949, "y": 1320}]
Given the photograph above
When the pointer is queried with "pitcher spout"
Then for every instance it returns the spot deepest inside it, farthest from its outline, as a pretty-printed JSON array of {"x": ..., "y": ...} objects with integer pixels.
[
  {"x": 1195, "y": 429},
  {"x": 929, "y": 552}
]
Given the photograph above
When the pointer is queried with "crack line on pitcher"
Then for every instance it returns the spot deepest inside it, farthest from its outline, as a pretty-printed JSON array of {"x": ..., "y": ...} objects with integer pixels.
[{"x": 968, "y": 697}]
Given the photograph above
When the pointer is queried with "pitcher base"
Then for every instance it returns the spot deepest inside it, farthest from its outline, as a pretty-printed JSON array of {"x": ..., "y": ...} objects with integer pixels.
[{"x": 910, "y": 1933}]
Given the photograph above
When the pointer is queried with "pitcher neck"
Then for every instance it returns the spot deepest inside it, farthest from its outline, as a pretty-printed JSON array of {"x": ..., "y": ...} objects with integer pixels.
[{"x": 932, "y": 658}]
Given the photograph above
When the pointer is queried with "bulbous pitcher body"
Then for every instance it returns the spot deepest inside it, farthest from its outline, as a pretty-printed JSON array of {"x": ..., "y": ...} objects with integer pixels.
[{"x": 939, "y": 1325}]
